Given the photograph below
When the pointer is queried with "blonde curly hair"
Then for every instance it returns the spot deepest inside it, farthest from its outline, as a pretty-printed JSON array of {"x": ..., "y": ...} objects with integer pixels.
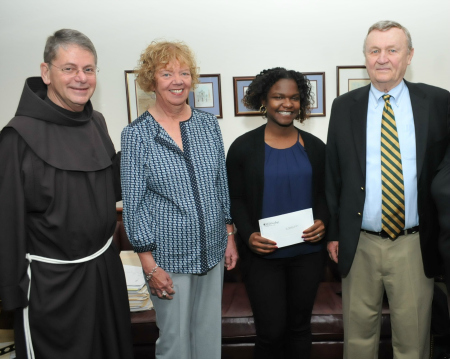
[{"x": 160, "y": 53}]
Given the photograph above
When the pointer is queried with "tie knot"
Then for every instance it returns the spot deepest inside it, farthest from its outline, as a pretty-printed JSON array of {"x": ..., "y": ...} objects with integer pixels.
[{"x": 386, "y": 97}]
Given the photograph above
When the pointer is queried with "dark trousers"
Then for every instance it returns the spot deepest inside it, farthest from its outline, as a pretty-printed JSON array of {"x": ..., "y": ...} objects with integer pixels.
[{"x": 282, "y": 293}]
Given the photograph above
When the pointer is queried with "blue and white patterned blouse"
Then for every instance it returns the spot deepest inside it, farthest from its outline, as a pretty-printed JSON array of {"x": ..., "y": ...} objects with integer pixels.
[{"x": 176, "y": 202}]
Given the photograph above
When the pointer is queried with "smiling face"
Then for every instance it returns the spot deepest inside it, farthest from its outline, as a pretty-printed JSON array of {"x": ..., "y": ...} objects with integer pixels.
[
  {"x": 387, "y": 57},
  {"x": 68, "y": 91},
  {"x": 173, "y": 83},
  {"x": 283, "y": 103}
]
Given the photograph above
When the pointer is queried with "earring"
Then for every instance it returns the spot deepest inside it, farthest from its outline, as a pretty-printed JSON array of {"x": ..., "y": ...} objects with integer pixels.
[{"x": 263, "y": 109}]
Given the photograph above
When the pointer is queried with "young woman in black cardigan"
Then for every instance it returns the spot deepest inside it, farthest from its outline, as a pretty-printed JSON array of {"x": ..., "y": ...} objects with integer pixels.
[{"x": 273, "y": 170}]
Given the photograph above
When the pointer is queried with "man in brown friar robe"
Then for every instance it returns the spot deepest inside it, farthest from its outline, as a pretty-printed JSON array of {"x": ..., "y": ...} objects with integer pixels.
[{"x": 58, "y": 189}]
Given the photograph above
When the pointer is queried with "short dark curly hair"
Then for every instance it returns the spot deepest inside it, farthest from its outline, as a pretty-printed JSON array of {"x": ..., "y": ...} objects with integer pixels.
[{"x": 263, "y": 82}]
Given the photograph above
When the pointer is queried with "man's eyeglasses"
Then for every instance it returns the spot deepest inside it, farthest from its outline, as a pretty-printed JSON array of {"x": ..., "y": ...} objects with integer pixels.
[{"x": 72, "y": 71}]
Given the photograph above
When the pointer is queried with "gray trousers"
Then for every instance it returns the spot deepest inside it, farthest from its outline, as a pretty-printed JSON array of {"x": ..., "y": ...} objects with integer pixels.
[{"x": 190, "y": 325}]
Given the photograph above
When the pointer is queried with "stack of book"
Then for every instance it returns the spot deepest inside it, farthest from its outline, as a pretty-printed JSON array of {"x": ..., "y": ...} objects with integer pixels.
[{"x": 138, "y": 295}]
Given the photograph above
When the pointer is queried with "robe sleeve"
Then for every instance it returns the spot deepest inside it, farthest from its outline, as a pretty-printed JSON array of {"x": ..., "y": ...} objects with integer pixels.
[
  {"x": 100, "y": 121},
  {"x": 116, "y": 172},
  {"x": 13, "y": 264}
]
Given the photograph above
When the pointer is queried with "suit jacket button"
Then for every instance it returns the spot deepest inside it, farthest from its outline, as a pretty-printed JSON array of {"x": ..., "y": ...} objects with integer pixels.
[
  {"x": 359, "y": 214},
  {"x": 362, "y": 188}
]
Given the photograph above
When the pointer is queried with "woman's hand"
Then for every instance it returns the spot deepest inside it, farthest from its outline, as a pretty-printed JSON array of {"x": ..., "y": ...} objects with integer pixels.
[
  {"x": 160, "y": 282},
  {"x": 314, "y": 233},
  {"x": 261, "y": 245},
  {"x": 231, "y": 253}
]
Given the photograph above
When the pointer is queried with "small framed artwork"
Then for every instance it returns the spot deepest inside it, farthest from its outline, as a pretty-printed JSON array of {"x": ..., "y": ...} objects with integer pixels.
[
  {"x": 207, "y": 95},
  {"x": 138, "y": 101},
  {"x": 240, "y": 86},
  {"x": 350, "y": 78},
  {"x": 317, "y": 80}
]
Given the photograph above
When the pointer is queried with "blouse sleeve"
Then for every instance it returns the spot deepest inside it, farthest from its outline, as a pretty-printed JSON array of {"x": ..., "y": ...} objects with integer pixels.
[
  {"x": 136, "y": 210},
  {"x": 222, "y": 180},
  {"x": 13, "y": 265}
]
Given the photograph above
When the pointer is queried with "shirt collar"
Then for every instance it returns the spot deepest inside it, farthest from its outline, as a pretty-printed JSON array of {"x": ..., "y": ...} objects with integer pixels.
[{"x": 396, "y": 94}]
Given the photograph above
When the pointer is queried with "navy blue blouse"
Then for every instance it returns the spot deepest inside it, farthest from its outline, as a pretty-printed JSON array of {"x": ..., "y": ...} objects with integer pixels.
[{"x": 288, "y": 188}]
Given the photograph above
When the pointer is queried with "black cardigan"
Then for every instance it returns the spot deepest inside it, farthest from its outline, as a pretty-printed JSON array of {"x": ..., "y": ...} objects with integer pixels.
[{"x": 245, "y": 166}]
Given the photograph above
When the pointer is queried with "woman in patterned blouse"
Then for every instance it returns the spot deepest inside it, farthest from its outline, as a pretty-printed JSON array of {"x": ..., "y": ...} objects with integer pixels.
[{"x": 176, "y": 205}]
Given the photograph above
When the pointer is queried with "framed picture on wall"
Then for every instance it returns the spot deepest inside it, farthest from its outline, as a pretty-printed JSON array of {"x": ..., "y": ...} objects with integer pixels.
[
  {"x": 317, "y": 80},
  {"x": 240, "y": 86},
  {"x": 138, "y": 101},
  {"x": 207, "y": 95},
  {"x": 350, "y": 78}
]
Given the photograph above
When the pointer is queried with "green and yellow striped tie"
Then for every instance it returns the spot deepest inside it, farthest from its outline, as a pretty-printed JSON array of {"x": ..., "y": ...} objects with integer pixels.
[{"x": 393, "y": 198}]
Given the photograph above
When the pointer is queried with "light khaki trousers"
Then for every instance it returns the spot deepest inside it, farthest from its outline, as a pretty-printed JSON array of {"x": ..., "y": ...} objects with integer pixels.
[{"x": 397, "y": 268}]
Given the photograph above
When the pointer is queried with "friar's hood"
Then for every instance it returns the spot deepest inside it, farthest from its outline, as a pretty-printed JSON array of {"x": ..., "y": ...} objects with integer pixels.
[{"x": 80, "y": 144}]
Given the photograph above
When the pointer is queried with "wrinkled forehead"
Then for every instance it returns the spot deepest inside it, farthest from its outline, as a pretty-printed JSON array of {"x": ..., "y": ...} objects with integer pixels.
[{"x": 392, "y": 36}]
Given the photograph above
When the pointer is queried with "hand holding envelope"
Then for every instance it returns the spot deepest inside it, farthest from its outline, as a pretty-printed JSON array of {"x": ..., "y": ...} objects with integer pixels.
[
  {"x": 261, "y": 245},
  {"x": 287, "y": 229}
]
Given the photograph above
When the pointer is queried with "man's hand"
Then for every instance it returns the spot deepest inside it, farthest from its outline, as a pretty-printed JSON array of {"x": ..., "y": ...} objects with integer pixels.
[{"x": 333, "y": 250}]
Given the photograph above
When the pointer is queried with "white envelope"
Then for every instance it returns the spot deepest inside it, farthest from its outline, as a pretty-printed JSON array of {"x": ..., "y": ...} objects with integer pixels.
[{"x": 287, "y": 229}]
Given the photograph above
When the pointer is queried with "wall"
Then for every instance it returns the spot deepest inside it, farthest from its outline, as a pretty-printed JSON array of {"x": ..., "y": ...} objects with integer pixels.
[{"x": 233, "y": 38}]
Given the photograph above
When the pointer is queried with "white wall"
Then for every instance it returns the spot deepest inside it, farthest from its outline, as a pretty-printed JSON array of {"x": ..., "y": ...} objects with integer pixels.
[{"x": 233, "y": 38}]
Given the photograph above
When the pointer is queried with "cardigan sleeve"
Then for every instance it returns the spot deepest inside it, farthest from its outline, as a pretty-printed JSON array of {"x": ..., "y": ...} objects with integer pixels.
[
  {"x": 316, "y": 154},
  {"x": 236, "y": 180}
]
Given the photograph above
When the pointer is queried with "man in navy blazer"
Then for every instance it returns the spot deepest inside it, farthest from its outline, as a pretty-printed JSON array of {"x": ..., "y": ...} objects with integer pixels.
[{"x": 371, "y": 262}]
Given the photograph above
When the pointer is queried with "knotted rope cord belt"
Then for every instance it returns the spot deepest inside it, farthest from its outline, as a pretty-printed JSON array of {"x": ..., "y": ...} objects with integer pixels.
[{"x": 30, "y": 258}]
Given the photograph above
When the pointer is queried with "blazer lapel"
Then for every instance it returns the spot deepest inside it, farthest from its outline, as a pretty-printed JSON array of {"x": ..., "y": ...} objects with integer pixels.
[
  {"x": 358, "y": 115},
  {"x": 420, "y": 108}
]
